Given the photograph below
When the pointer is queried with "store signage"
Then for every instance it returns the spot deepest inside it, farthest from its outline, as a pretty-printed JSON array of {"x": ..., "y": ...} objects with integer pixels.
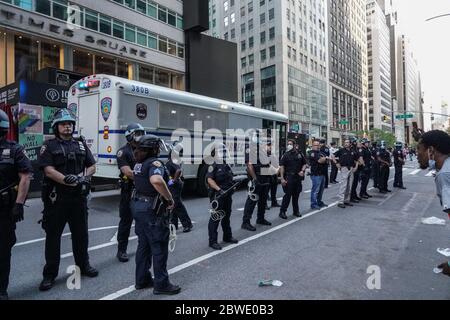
[{"x": 46, "y": 26}]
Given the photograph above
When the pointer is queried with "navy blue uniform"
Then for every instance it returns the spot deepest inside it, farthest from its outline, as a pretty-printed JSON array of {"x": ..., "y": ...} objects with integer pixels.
[
  {"x": 366, "y": 170},
  {"x": 375, "y": 166},
  {"x": 326, "y": 153},
  {"x": 65, "y": 204},
  {"x": 262, "y": 189},
  {"x": 223, "y": 177},
  {"x": 384, "y": 169},
  {"x": 293, "y": 162},
  {"x": 358, "y": 174},
  {"x": 176, "y": 188},
  {"x": 13, "y": 161},
  {"x": 399, "y": 160},
  {"x": 125, "y": 157},
  {"x": 152, "y": 229}
]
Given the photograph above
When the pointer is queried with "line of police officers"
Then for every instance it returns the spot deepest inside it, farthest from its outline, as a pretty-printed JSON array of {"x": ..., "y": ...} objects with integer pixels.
[{"x": 148, "y": 195}]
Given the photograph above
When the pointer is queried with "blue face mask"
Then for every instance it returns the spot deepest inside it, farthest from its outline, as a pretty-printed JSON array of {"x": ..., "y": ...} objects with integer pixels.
[{"x": 432, "y": 164}]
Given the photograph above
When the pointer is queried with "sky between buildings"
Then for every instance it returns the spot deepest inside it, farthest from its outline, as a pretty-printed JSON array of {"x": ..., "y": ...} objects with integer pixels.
[{"x": 431, "y": 44}]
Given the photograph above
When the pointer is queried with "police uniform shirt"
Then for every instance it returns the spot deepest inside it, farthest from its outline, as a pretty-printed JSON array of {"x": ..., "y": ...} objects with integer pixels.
[
  {"x": 292, "y": 162},
  {"x": 172, "y": 168},
  {"x": 221, "y": 174},
  {"x": 384, "y": 155},
  {"x": 125, "y": 157},
  {"x": 252, "y": 153},
  {"x": 142, "y": 174},
  {"x": 347, "y": 157},
  {"x": 443, "y": 185},
  {"x": 13, "y": 160},
  {"x": 398, "y": 157},
  {"x": 316, "y": 167}
]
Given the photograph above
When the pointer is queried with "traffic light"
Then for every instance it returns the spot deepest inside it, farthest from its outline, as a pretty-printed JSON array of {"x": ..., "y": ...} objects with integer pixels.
[{"x": 385, "y": 118}]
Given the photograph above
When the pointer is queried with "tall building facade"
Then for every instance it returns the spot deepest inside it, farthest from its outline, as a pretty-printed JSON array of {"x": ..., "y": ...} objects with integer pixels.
[
  {"x": 282, "y": 56},
  {"x": 409, "y": 95},
  {"x": 380, "y": 115},
  {"x": 348, "y": 67},
  {"x": 139, "y": 39}
]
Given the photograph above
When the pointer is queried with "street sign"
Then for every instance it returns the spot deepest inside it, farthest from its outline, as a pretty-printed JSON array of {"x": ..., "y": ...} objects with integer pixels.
[
  {"x": 404, "y": 116},
  {"x": 343, "y": 122}
]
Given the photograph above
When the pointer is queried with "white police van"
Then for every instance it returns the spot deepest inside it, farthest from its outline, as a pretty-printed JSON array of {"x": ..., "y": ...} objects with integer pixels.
[{"x": 105, "y": 105}]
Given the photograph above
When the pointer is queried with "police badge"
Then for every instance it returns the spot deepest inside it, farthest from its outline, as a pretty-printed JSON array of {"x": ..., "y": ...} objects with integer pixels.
[{"x": 106, "y": 106}]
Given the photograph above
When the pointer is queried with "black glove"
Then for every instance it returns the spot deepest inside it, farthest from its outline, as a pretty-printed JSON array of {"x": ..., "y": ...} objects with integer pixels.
[
  {"x": 71, "y": 179},
  {"x": 17, "y": 212}
]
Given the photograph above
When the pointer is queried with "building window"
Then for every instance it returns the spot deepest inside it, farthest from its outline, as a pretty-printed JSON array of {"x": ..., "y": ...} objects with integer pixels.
[
  {"x": 105, "y": 25},
  {"x": 263, "y": 55},
  {"x": 250, "y": 42},
  {"x": 248, "y": 88},
  {"x": 243, "y": 62},
  {"x": 268, "y": 88},
  {"x": 225, "y": 6},
  {"x": 43, "y": 7},
  {"x": 262, "y": 37},
  {"x": 243, "y": 45},
  {"x": 49, "y": 55},
  {"x": 105, "y": 65},
  {"x": 162, "y": 44},
  {"x": 83, "y": 62},
  {"x": 26, "y": 57},
  {"x": 272, "y": 51},
  {"x": 233, "y": 18},
  {"x": 152, "y": 41},
  {"x": 271, "y": 14},
  {"x": 251, "y": 59},
  {"x": 118, "y": 29},
  {"x": 272, "y": 33},
  {"x": 162, "y": 78},
  {"x": 162, "y": 14},
  {"x": 122, "y": 69},
  {"x": 250, "y": 24},
  {"x": 262, "y": 18}
]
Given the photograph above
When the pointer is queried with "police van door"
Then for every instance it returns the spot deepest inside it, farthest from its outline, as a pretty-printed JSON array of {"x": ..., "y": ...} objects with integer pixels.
[{"x": 88, "y": 117}]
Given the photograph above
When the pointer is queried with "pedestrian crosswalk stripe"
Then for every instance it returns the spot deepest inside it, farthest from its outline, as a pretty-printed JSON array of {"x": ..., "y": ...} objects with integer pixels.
[
  {"x": 415, "y": 172},
  {"x": 429, "y": 174}
]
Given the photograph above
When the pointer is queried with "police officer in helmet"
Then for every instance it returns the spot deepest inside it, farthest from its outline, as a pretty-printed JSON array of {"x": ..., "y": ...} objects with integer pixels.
[
  {"x": 384, "y": 159},
  {"x": 150, "y": 206},
  {"x": 126, "y": 162},
  {"x": 15, "y": 173},
  {"x": 68, "y": 166},
  {"x": 220, "y": 181},
  {"x": 399, "y": 162}
]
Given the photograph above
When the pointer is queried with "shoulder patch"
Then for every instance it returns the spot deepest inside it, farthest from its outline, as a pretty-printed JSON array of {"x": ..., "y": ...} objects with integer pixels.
[
  {"x": 156, "y": 164},
  {"x": 119, "y": 154},
  {"x": 210, "y": 169},
  {"x": 43, "y": 148}
]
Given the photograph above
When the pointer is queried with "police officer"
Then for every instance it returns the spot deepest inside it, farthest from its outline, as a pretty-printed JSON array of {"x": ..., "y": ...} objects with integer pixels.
[
  {"x": 220, "y": 180},
  {"x": 375, "y": 164},
  {"x": 274, "y": 168},
  {"x": 68, "y": 165},
  {"x": 176, "y": 184},
  {"x": 292, "y": 170},
  {"x": 399, "y": 162},
  {"x": 325, "y": 151},
  {"x": 126, "y": 162},
  {"x": 357, "y": 148},
  {"x": 317, "y": 162},
  {"x": 347, "y": 163},
  {"x": 258, "y": 173},
  {"x": 334, "y": 169},
  {"x": 384, "y": 159},
  {"x": 15, "y": 172},
  {"x": 150, "y": 204},
  {"x": 366, "y": 169}
]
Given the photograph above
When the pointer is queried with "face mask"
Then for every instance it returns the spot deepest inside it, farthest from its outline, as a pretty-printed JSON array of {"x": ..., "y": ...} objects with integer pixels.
[
  {"x": 290, "y": 147},
  {"x": 432, "y": 164}
]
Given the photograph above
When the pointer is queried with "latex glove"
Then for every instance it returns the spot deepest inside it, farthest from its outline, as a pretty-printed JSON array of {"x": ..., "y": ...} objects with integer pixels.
[
  {"x": 17, "y": 212},
  {"x": 71, "y": 179}
]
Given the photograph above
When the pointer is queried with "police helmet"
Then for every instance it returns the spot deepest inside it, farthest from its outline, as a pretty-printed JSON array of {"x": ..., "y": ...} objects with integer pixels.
[
  {"x": 4, "y": 122},
  {"x": 399, "y": 144},
  {"x": 63, "y": 115},
  {"x": 364, "y": 141},
  {"x": 132, "y": 129},
  {"x": 148, "y": 141}
]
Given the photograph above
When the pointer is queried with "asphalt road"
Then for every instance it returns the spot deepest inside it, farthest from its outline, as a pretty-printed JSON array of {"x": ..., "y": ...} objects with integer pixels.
[{"x": 323, "y": 255}]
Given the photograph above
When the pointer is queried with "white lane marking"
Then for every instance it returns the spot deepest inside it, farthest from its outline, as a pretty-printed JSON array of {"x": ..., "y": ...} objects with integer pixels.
[
  {"x": 241, "y": 209},
  {"x": 114, "y": 238},
  {"x": 309, "y": 191},
  {"x": 415, "y": 172},
  {"x": 429, "y": 174},
  {"x": 100, "y": 246},
  {"x": 188, "y": 264},
  {"x": 64, "y": 235}
]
